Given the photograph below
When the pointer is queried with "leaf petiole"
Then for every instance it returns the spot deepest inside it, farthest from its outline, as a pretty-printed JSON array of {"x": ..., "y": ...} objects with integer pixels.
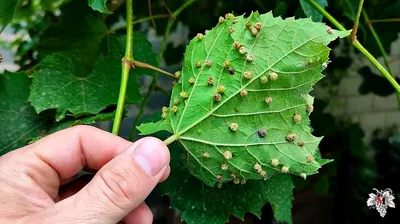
[{"x": 145, "y": 65}]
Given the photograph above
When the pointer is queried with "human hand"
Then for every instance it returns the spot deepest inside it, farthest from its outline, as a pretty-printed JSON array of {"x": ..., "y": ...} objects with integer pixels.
[{"x": 30, "y": 178}]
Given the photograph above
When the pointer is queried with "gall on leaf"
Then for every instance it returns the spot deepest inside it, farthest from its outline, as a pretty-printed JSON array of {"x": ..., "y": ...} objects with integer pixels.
[
  {"x": 262, "y": 132},
  {"x": 243, "y": 93},
  {"x": 263, "y": 79},
  {"x": 217, "y": 97},
  {"x": 208, "y": 63},
  {"x": 227, "y": 155},
  {"x": 242, "y": 50},
  {"x": 200, "y": 36},
  {"x": 258, "y": 25},
  {"x": 207, "y": 109},
  {"x": 234, "y": 127},
  {"x": 221, "y": 89},
  {"x": 210, "y": 81},
  {"x": 275, "y": 162},
  {"x": 273, "y": 76},
  {"x": 247, "y": 75}
]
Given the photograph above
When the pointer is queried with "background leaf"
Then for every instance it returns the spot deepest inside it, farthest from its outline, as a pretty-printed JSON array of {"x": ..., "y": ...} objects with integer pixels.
[
  {"x": 7, "y": 11},
  {"x": 311, "y": 12},
  {"x": 18, "y": 120},
  {"x": 62, "y": 85},
  {"x": 201, "y": 204},
  {"x": 100, "y": 5},
  {"x": 295, "y": 51},
  {"x": 66, "y": 38}
]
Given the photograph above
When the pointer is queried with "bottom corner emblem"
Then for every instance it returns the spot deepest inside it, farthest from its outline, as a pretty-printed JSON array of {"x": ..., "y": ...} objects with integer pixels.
[{"x": 381, "y": 200}]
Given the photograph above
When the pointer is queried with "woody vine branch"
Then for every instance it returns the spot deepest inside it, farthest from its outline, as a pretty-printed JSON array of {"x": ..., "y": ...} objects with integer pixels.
[{"x": 357, "y": 45}]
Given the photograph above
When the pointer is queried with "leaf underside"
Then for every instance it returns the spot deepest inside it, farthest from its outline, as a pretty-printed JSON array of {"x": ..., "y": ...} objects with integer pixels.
[{"x": 293, "y": 49}]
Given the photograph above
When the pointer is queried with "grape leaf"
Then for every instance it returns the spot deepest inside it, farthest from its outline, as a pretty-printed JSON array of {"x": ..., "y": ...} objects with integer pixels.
[
  {"x": 18, "y": 120},
  {"x": 201, "y": 204},
  {"x": 311, "y": 12},
  {"x": 71, "y": 40},
  {"x": 254, "y": 128},
  {"x": 67, "y": 123},
  {"x": 7, "y": 11},
  {"x": 100, "y": 5},
  {"x": 61, "y": 84}
]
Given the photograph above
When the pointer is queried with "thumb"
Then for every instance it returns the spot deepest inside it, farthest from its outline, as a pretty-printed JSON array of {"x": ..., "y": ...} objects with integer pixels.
[
  {"x": 124, "y": 183},
  {"x": 118, "y": 187}
]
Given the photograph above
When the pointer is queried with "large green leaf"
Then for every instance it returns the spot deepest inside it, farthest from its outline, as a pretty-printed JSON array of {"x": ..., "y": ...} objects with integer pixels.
[
  {"x": 311, "y": 12},
  {"x": 100, "y": 5},
  {"x": 62, "y": 85},
  {"x": 202, "y": 204},
  {"x": 293, "y": 49},
  {"x": 7, "y": 11},
  {"x": 81, "y": 68},
  {"x": 79, "y": 34},
  {"x": 18, "y": 120}
]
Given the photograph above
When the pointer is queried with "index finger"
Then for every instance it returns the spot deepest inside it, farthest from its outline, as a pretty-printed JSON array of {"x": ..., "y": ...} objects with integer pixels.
[{"x": 68, "y": 151}]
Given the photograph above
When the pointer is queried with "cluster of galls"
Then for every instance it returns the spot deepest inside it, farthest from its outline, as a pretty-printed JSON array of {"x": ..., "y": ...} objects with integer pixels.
[{"x": 224, "y": 167}]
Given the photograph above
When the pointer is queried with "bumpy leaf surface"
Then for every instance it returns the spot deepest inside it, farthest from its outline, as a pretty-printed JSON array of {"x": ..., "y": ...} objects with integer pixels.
[
  {"x": 202, "y": 204},
  {"x": 18, "y": 120},
  {"x": 293, "y": 49},
  {"x": 100, "y": 5},
  {"x": 311, "y": 12}
]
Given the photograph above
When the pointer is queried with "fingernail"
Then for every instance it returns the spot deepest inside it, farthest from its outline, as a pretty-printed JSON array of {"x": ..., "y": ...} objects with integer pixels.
[{"x": 151, "y": 155}]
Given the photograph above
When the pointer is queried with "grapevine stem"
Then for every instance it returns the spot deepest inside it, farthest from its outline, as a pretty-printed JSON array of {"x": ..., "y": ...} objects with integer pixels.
[
  {"x": 356, "y": 20},
  {"x": 378, "y": 41},
  {"x": 384, "y": 20},
  {"x": 139, "y": 21},
  {"x": 145, "y": 65},
  {"x": 357, "y": 45},
  {"x": 381, "y": 48},
  {"x": 153, "y": 84},
  {"x": 126, "y": 66}
]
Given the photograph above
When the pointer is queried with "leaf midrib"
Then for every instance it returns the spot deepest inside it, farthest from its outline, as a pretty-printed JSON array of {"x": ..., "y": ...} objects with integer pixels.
[{"x": 240, "y": 89}]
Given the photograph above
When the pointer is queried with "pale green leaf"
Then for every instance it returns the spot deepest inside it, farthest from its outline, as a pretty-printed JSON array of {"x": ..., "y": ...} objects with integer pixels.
[
  {"x": 293, "y": 49},
  {"x": 18, "y": 120},
  {"x": 100, "y": 5},
  {"x": 149, "y": 128},
  {"x": 311, "y": 12}
]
